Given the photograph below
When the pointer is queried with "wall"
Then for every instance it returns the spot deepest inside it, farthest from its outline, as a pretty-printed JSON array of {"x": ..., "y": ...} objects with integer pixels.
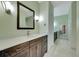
[
  {"x": 72, "y": 27},
  {"x": 74, "y": 24},
  {"x": 50, "y": 26},
  {"x": 8, "y": 28},
  {"x": 62, "y": 8},
  {"x": 77, "y": 42},
  {"x": 59, "y": 21},
  {"x": 46, "y": 21},
  {"x": 43, "y": 21}
]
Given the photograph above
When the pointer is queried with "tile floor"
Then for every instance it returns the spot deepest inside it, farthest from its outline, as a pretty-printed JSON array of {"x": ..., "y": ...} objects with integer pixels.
[{"x": 61, "y": 48}]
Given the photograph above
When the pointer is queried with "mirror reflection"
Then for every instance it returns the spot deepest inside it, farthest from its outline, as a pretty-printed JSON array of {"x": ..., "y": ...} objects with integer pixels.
[{"x": 26, "y": 17}]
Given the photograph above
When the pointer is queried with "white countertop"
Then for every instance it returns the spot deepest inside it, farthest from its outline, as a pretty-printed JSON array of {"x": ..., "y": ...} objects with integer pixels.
[{"x": 7, "y": 43}]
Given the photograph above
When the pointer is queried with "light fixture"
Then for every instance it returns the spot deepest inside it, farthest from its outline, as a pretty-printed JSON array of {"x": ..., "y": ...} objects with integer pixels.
[
  {"x": 55, "y": 24},
  {"x": 41, "y": 18},
  {"x": 7, "y": 7},
  {"x": 36, "y": 18}
]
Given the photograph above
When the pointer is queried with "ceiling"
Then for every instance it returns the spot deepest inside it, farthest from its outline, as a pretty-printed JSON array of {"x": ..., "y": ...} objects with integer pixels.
[
  {"x": 59, "y": 3},
  {"x": 60, "y": 7}
]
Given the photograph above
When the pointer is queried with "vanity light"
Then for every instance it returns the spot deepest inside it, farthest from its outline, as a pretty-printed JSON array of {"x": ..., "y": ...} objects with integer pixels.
[
  {"x": 55, "y": 24},
  {"x": 36, "y": 17},
  {"x": 41, "y": 18},
  {"x": 7, "y": 7}
]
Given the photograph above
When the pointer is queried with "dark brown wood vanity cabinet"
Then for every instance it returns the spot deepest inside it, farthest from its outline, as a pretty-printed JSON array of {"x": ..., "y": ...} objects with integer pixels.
[
  {"x": 44, "y": 45},
  {"x": 33, "y": 48},
  {"x": 21, "y": 50},
  {"x": 39, "y": 48}
]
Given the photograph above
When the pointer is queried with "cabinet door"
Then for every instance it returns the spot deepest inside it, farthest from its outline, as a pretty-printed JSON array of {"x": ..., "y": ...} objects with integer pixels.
[
  {"x": 24, "y": 52},
  {"x": 39, "y": 49},
  {"x": 44, "y": 45},
  {"x": 21, "y": 50},
  {"x": 10, "y": 52},
  {"x": 33, "y": 51}
]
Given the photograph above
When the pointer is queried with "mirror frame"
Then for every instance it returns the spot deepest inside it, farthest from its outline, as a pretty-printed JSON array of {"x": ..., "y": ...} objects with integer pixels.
[{"x": 18, "y": 16}]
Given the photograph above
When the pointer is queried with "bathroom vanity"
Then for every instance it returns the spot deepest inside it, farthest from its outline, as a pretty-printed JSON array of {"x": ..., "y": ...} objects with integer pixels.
[{"x": 32, "y": 48}]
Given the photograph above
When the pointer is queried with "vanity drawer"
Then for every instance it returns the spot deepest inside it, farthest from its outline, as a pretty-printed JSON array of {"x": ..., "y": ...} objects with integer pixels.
[
  {"x": 33, "y": 42},
  {"x": 16, "y": 50},
  {"x": 4, "y": 54},
  {"x": 10, "y": 51},
  {"x": 23, "y": 53},
  {"x": 21, "y": 46}
]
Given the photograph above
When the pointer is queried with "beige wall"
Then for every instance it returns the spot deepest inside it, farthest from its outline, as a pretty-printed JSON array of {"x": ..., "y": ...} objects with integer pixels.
[
  {"x": 50, "y": 26},
  {"x": 43, "y": 21},
  {"x": 77, "y": 42},
  {"x": 72, "y": 27},
  {"x": 8, "y": 23},
  {"x": 46, "y": 24}
]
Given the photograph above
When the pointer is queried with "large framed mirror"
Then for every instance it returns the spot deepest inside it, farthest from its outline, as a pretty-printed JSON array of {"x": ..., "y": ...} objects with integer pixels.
[{"x": 25, "y": 17}]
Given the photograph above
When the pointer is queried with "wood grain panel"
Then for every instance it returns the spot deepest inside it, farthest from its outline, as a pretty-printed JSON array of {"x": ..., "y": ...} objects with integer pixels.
[{"x": 34, "y": 48}]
